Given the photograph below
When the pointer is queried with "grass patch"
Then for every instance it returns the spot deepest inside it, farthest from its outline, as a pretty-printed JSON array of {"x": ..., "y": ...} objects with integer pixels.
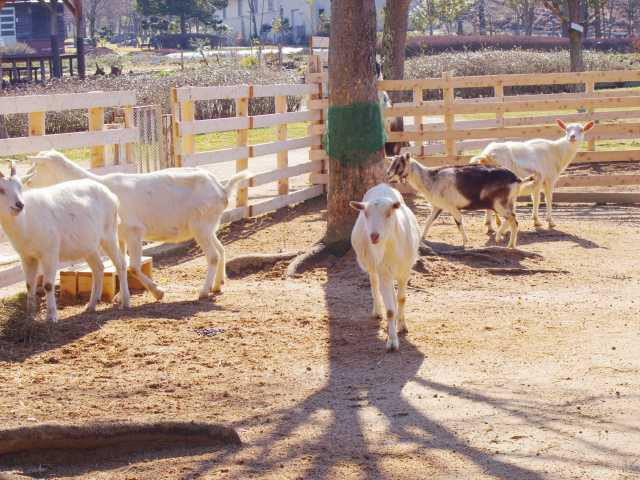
[
  {"x": 15, "y": 327},
  {"x": 220, "y": 140}
]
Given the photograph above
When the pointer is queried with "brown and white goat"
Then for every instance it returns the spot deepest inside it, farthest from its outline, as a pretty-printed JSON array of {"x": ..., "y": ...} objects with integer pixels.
[{"x": 468, "y": 187}]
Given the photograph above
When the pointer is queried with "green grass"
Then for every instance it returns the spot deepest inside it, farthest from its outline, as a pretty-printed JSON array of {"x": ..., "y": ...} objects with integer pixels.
[{"x": 220, "y": 140}]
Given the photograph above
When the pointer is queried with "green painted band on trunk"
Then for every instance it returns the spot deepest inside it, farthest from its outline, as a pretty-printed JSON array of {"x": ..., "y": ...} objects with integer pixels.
[{"x": 354, "y": 132}]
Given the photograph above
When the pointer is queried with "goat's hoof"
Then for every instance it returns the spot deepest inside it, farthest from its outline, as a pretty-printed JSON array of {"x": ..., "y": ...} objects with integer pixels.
[
  {"x": 52, "y": 318},
  {"x": 216, "y": 289},
  {"x": 537, "y": 223},
  {"x": 158, "y": 294},
  {"x": 393, "y": 345},
  {"x": 552, "y": 224},
  {"x": 90, "y": 309},
  {"x": 403, "y": 331},
  {"x": 203, "y": 296}
]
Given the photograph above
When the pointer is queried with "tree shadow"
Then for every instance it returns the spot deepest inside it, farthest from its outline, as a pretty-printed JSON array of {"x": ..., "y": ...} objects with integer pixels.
[
  {"x": 44, "y": 336},
  {"x": 362, "y": 379}
]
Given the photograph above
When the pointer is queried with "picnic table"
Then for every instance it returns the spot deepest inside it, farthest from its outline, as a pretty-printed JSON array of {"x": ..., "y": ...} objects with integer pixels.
[{"x": 32, "y": 67}]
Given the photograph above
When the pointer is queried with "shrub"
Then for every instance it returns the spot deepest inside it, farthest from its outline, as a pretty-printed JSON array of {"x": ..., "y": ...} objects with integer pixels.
[
  {"x": 154, "y": 88},
  {"x": 16, "y": 49},
  {"x": 495, "y": 62},
  {"x": 419, "y": 44},
  {"x": 249, "y": 61}
]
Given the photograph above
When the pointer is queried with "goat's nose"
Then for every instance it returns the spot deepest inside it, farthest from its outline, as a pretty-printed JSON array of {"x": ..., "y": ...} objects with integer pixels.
[
  {"x": 572, "y": 138},
  {"x": 19, "y": 205},
  {"x": 375, "y": 237}
]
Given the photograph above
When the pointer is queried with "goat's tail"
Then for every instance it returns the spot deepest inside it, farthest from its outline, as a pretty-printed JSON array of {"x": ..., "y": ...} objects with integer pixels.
[
  {"x": 526, "y": 185},
  {"x": 234, "y": 182}
]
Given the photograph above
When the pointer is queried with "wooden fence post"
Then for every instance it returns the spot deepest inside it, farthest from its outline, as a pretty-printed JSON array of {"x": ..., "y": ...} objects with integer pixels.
[
  {"x": 498, "y": 92},
  {"x": 417, "y": 120},
  {"x": 187, "y": 114},
  {"x": 37, "y": 124},
  {"x": 96, "y": 124},
  {"x": 283, "y": 156},
  {"x": 130, "y": 148},
  {"x": 242, "y": 140},
  {"x": 590, "y": 89},
  {"x": 175, "y": 131},
  {"x": 448, "y": 97},
  {"x": 315, "y": 66}
]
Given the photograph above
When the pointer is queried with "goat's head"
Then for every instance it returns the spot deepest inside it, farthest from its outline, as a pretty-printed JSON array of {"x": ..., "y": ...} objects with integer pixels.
[
  {"x": 400, "y": 167},
  {"x": 43, "y": 170},
  {"x": 11, "y": 200},
  {"x": 574, "y": 132},
  {"x": 378, "y": 216}
]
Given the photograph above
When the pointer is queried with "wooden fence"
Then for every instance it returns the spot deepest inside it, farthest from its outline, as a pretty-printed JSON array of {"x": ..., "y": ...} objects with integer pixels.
[
  {"x": 448, "y": 131},
  {"x": 186, "y": 127}
]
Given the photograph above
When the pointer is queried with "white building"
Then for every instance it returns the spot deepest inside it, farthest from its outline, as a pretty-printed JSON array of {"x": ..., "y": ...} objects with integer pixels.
[{"x": 303, "y": 16}]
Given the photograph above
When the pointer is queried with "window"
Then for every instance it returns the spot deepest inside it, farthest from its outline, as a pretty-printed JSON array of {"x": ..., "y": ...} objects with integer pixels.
[{"x": 239, "y": 8}]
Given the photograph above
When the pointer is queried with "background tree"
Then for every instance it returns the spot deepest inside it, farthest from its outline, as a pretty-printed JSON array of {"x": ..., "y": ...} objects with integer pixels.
[
  {"x": 450, "y": 12},
  {"x": 184, "y": 10},
  {"x": 355, "y": 132},
  {"x": 253, "y": 15},
  {"x": 631, "y": 10},
  {"x": 93, "y": 9},
  {"x": 525, "y": 13},
  {"x": 394, "y": 39},
  {"x": 425, "y": 15}
]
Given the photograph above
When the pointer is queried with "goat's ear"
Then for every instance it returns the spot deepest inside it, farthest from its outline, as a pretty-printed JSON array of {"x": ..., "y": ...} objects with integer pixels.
[
  {"x": 13, "y": 168},
  {"x": 588, "y": 126},
  {"x": 1, "y": 174},
  {"x": 26, "y": 178},
  {"x": 561, "y": 124},
  {"x": 356, "y": 205},
  {"x": 396, "y": 205}
]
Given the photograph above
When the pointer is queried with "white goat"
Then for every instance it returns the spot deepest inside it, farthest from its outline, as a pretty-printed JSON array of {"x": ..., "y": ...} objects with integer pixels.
[
  {"x": 545, "y": 159},
  {"x": 172, "y": 205},
  {"x": 62, "y": 223},
  {"x": 386, "y": 239}
]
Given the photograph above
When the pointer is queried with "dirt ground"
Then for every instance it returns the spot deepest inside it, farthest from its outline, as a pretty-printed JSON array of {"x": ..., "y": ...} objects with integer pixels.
[{"x": 520, "y": 365}]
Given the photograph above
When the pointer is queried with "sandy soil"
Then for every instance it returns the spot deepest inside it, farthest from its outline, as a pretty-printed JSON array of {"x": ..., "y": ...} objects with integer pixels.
[{"x": 519, "y": 365}]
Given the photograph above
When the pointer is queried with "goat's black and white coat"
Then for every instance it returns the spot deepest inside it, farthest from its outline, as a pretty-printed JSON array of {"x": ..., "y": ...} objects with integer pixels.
[{"x": 469, "y": 187}]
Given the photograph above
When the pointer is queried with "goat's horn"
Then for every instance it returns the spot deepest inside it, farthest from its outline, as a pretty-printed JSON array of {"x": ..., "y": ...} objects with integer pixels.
[{"x": 13, "y": 168}]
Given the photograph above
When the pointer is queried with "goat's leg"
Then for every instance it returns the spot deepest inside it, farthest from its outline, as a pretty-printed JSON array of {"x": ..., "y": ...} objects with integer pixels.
[
  {"x": 513, "y": 223},
  {"x": 221, "y": 267},
  {"x": 205, "y": 241},
  {"x": 535, "y": 197},
  {"x": 435, "y": 213},
  {"x": 402, "y": 300},
  {"x": 389, "y": 299},
  {"x": 548, "y": 197},
  {"x": 502, "y": 229},
  {"x": 30, "y": 267},
  {"x": 457, "y": 216},
  {"x": 110, "y": 245},
  {"x": 97, "y": 273},
  {"x": 488, "y": 220},
  {"x": 49, "y": 270},
  {"x": 375, "y": 294},
  {"x": 134, "y": 246}
]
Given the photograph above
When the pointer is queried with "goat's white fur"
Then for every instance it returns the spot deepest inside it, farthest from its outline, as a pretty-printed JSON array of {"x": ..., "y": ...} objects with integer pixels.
[
  {"x": 172, "y": 205},
  {"x": 545, "y": 159},
  {"x": 384, "y": 213},
  {"x": 62, "y": 223}
]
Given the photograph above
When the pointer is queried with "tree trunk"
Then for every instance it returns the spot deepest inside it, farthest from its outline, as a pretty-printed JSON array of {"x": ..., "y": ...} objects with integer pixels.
[
  {"x": 482, "y": 21},
  {"x": 460, "y": 27},
  {"x": 80, "y": 34},
  {"x": 597, "y": 21},
  {"x": 575, "y": 37},
  {"x": 355, "y": 138},
  {"x": 3, "y": 127},
  {"x": 56, "y": 63},
  {"x": 394, "y": 40},
  {"x": 530, "y": 18}
]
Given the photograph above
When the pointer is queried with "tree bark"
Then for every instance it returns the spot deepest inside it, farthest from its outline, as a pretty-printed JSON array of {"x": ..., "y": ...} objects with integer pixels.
[
  {"x": 56, "y": 63},
  {"x": 597, "y": 20},
  {"x": 80, "y": 34},
  {"x": 575, "y": 37},
  {"x": 352, "y": 81},
  {"x": 394, "y": 41},
  {"x": 482, "y": 20}
]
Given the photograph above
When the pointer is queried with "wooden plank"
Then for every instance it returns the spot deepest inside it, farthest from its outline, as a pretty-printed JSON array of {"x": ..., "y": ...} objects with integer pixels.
[
  {"x": 318, "y": 155},
  {"x": 319, "y": 104},
  {"x": 286, "y": 200},
  {"x": 213, "y": 157},
  {"x": 600, "y": 132},
  {"x": 96, "y": 124},
  {"x": 590, "y": 88},
  {"x": 319, "y": 178},
  {"x": 418, "y": 99},
  {"x": 317, "y": 74},
  {"x": 130, "y": 148},
  {"x": 426, "y": 109},
  {"x": 275, "y": 175},
  {"x": 316, "y": 129},
  {"x": 274, "y": 147},
  {"x": 192, "y": 94},
  {"x": 281, "y": 135},
  {"x": 178, "y": 156},
  {"x": 319, "y": 77},
  {"x": 242, "y": 140},
  {"x": 37, "y": 124},
  {"x": 597, "y": 180},
  {"x": 65, "y": 101},
  {"x": 449, "y": 117},
  {"x": 284, "y": 89},
  {"x": 188, "y": 141},
  {"x": 61, "y": 141},
  {"x": 235, "y": 214},
  {"x": 212, "y": 125},
  {"x": 592, "y": 197},
  {"x": 261, "y": 121}
]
